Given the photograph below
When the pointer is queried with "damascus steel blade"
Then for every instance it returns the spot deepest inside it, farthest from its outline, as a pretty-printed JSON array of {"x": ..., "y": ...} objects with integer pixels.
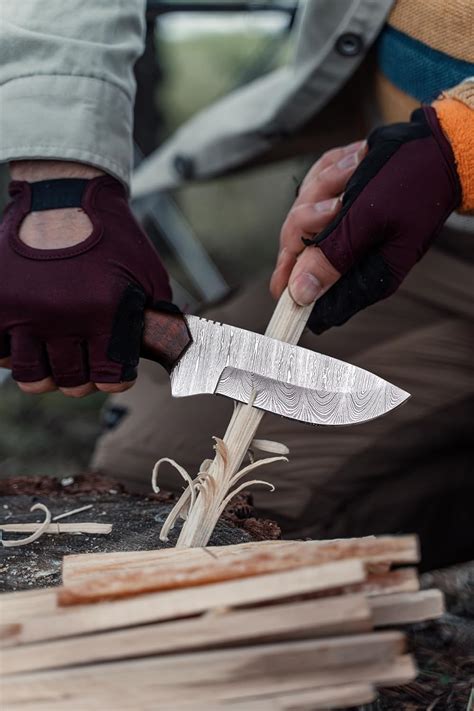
[{"x": 277, "y": 377}]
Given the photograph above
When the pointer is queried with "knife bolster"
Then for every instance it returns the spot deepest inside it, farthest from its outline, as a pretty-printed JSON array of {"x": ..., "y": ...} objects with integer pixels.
[{"x": 166, "y": 337}]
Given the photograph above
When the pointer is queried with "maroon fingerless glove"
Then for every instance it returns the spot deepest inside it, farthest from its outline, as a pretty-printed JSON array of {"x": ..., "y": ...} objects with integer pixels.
[
  {"x": 76, "y": 314},
  {"x": 393, "y": 207}
]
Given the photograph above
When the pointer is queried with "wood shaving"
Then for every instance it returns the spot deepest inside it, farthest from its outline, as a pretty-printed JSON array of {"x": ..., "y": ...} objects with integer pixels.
[
  {"x": 205, "y": 482},
  {"x": 34, "y": 536}
]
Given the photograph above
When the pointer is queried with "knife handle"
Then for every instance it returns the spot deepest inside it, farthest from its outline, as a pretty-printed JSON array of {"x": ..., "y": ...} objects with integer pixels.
[{"x": 165, "y": 337}]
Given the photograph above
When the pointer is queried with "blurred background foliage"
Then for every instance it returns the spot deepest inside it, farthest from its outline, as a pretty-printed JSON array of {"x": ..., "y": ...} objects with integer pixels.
[{"x": 236, "y": 218}]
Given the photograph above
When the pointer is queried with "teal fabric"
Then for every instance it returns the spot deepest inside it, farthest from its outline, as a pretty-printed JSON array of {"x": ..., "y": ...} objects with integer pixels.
[{"x": 416, "y": 68}]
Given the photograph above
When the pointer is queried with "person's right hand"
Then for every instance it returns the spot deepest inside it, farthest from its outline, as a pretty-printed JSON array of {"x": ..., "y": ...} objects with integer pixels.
[{"x": 71, "y": 317}]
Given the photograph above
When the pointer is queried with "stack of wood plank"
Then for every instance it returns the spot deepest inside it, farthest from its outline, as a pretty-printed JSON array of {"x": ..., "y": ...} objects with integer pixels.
[{"x": 257, "y": 626}]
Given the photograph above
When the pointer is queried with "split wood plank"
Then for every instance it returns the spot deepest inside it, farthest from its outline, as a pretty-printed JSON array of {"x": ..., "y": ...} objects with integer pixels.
[
  {"x": 405, "y": 608},
  {"x": 344, "y": 614},
  {"x": 56, "y": 528},
  {"x": 217, "y": 675},
  {"x": 153, "y": 607},
  {"x": 395, "y": 581},
  {"x": 380, "y": 549},
  {"x": 16, "y": 606},
  {"x": 308, "y": 700},
  {"x": 257, "y": 561},
  {"x": 82, "y": 564}
]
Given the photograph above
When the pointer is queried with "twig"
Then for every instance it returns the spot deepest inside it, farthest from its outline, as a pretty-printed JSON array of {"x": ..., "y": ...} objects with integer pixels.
[{"x": 71, "y": 513}]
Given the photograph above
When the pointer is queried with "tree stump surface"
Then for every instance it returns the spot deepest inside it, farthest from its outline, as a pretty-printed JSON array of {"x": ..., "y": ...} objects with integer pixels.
[{"x": 136, "y": 521}]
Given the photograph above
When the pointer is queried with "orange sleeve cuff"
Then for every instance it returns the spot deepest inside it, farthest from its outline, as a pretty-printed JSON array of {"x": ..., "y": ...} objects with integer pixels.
[{"x": 457, "y": 122}]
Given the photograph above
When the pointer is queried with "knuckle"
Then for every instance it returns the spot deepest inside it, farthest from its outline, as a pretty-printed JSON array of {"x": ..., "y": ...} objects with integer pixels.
[
  {"x": 112, "y": 387},
  {"x": 33, "y": 388}
]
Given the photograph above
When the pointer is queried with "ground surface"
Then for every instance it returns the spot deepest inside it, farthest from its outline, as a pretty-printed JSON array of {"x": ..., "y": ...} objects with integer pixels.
[
  {"x": 136, "y": 525},
  {"x": 444, "y": 649}
]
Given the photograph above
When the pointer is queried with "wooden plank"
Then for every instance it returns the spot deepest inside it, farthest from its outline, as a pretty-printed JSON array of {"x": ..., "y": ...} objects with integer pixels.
[
  {"x": 316, "y": 618},
  {"x": 216, "y": 675},
  {"x": 257, "y": 561},
  {"x": 396, "y": 549},
  {"x": 404, "y": 608},
  {"x": 56, "y": 528},
  {"x": 154, "y": 607},
  {"x": 16, "y": 606},
  {"x": 309, "y": 700},
  {"x": 340, "y": 696},
  {"x": 395, "y": 581}
]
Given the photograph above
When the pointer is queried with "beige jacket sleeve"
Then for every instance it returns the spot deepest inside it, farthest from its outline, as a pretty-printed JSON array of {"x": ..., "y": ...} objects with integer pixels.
[{"x": 66, "y": 80}]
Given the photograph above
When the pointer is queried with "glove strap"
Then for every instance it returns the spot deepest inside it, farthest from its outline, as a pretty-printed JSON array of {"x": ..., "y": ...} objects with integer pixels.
[{"x": 55, "y": 194}]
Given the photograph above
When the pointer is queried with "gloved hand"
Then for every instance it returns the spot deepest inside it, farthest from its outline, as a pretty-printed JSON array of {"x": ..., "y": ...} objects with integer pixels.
[
  {"x": 73, "y": 317},
  {"x": 393, "y": 207}
]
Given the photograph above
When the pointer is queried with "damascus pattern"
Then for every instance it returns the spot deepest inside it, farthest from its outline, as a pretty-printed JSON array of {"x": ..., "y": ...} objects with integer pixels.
[{"x": 287, "y": 380}]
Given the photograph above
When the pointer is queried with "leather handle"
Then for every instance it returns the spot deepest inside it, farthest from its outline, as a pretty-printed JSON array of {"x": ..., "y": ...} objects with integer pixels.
[{"x": 165, "y": 337}]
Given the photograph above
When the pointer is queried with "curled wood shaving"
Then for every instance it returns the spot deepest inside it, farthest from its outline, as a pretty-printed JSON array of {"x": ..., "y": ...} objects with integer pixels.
[
  {"x": 206, "y": 484},
  {"x": 266, "y": 445},
  {"x": 34, "y": 536}
]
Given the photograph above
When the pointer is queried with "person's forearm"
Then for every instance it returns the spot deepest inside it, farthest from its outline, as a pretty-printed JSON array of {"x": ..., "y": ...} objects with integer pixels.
[
  {"x": 34, "y": 170},
  {"x": 66, "y": 81}
]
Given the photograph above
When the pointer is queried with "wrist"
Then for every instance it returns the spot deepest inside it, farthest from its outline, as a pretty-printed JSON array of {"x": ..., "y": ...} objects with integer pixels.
[{"x": 35, "y": 170}]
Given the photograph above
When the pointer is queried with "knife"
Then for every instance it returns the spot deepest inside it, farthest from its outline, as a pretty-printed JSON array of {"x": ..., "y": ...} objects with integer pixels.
[{"x": 205, "y": 356}]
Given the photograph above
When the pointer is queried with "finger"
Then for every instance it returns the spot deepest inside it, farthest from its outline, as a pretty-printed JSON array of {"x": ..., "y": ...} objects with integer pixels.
[
  {"x": 312, "y": 275},
  {"x": 302, "y": 221},
  {"x": 6, "y": 363},
  {"x": 366, "y": 283},
  {"x": 46, "y": 385},
  {"x": 327, "y": 187},
  {"x": 331, "y": 181},
  {"x": 4, "y": 348},
  {"x": 103, "y": 370},
  {"x": 307, "y": 220},
  {"x": 80, "y": 390},
  {"x": 115, "y": 387},
  {"x": 29, "y": 359},
  {"x": 68, "y": 361},
  {"x": 338, "y": 157},
  {"x": 279, "y": 279}
]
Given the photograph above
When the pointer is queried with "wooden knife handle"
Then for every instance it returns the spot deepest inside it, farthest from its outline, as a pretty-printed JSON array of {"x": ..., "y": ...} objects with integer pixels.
[{"x": 165, "y": 337}]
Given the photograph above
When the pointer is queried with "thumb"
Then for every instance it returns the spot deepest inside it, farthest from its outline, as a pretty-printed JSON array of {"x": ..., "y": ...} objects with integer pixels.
[{"x": 312, "y": 275}]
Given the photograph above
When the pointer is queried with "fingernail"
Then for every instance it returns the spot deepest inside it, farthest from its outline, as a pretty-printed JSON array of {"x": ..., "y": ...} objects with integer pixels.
[
  {"x": 353, "y": 147},
  {"x": 305, "y": 288},
  {"x": 281, "y": 257},
  {"x": 350, "y": 161},
  {"x": 326, "y": 205}
]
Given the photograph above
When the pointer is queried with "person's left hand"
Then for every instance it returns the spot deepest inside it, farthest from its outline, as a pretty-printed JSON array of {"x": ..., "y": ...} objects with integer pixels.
[
  {"x": 317, "y": 203},
  {"x": 393, "y": 206}
]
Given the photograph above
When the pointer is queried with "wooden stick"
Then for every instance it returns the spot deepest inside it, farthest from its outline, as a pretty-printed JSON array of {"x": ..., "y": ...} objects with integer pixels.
[
  {"x": 405, "y": 608},
  {"x": 66, "y": 514},
  {"x": 95, "y": 528},
  {"x": 371, "y": 549},
  {"x": 287, "y": 324},
  {"x": 307, "y": 700},
  {"x": 316, "y": 618},
  {"x": 257, "y": 561},
  {"x": 16, "y": 606},
  {"x": 217, "y": 675},
  {"x": 188, "y": 601}
]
